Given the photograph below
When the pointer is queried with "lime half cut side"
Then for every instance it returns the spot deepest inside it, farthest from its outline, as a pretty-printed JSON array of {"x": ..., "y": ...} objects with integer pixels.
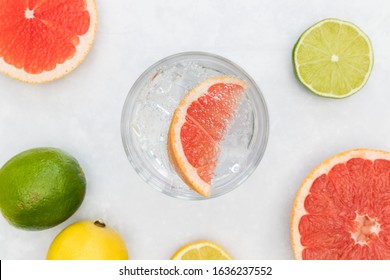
[{"x": 333, "y": 58}]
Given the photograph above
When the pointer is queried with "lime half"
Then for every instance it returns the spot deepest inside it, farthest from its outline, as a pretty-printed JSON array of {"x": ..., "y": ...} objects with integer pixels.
[{"x": 333, "y": 58}]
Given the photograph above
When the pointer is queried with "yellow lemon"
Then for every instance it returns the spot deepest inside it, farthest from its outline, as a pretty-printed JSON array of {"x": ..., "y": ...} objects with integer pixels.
[
  {"x": 201, "y": 250},
  {"x": 88, "y": 240}
]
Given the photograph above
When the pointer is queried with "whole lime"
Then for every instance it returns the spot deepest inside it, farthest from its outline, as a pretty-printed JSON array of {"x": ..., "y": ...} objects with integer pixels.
[
  {"x": 40, "y": 188},
  {"x": 88, "y": 240}
]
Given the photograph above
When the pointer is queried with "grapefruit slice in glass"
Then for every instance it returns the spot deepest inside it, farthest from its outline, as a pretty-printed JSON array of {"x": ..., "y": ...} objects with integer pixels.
[
  {"x": 43, "y": 40},
  {"x": 198, "y": 126},
  {"x": 342, "y": 209}
]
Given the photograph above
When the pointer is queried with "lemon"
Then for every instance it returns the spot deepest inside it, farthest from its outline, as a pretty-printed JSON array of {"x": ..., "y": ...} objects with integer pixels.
[
  {"x": 41, "y": 188},
  {"x": 333, "y": 58},
  {"x": 88, "y": 240},
  {"x": 201, "y": 250}
]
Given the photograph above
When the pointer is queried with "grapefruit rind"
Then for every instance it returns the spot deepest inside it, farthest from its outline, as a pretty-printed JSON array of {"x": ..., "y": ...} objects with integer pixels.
[
  {"x": 61, "y": 70},
  {"x": 196, "y": 246},
  {"x": 301, "y": 39},
  {"x": 298, "y": 209},
  {"x": 176, "y": 154}
]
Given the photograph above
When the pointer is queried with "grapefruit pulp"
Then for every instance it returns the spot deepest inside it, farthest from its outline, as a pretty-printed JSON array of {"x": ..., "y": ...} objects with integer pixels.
[
  {"x": 342, "y": 209},
  {"x": 43, "y": 40},
  {"x": 198, "y": 126}
]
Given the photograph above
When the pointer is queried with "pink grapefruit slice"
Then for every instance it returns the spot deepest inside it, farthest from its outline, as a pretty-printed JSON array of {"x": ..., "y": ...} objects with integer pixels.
[
  {"x": 198, "y": 126},
  {"x": 342, "y": 209},
  {"x": 43, "y": 40}
]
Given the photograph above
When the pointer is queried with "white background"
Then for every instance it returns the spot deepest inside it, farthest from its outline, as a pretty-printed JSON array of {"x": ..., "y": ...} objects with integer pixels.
[{"x": 81, "y": 114}]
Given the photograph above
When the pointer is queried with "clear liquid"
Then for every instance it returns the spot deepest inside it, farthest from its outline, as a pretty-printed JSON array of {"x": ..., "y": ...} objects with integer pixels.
[{"x": 153, "y": 112}]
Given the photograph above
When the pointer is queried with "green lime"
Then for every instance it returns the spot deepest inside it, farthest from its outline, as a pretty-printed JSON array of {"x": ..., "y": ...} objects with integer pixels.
[
  {"x": 41, "y": 188},
  {"x": 333, "y": 58}
]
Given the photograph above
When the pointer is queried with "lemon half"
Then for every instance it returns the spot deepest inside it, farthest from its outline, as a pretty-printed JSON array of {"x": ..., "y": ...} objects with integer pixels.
[{"x": 202, "y": 250}]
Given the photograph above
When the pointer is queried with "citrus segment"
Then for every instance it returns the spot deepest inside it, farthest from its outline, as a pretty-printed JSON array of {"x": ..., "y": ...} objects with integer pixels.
[
  {"x": 198, "y": 126},
  {"x": 42, "y": 40},
  {"x": 201, "y": 250},
  {"x": 333, "y": 58},
  {"x": 342, "y": 209}
]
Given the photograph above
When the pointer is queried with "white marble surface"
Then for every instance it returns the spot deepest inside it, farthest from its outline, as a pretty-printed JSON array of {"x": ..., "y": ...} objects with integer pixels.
[{"x": 81, "y": 114}]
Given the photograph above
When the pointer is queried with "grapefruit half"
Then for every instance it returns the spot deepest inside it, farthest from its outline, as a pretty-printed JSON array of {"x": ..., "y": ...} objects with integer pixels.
[
  {"x": 198, "y": 125},
  {"x": 43, "y": 40},
  {"x": 342, "y": 209}
]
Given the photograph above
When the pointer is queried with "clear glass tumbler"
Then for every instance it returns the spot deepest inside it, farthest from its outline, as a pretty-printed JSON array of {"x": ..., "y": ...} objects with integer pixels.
[{"x": 147, "y": 114}]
